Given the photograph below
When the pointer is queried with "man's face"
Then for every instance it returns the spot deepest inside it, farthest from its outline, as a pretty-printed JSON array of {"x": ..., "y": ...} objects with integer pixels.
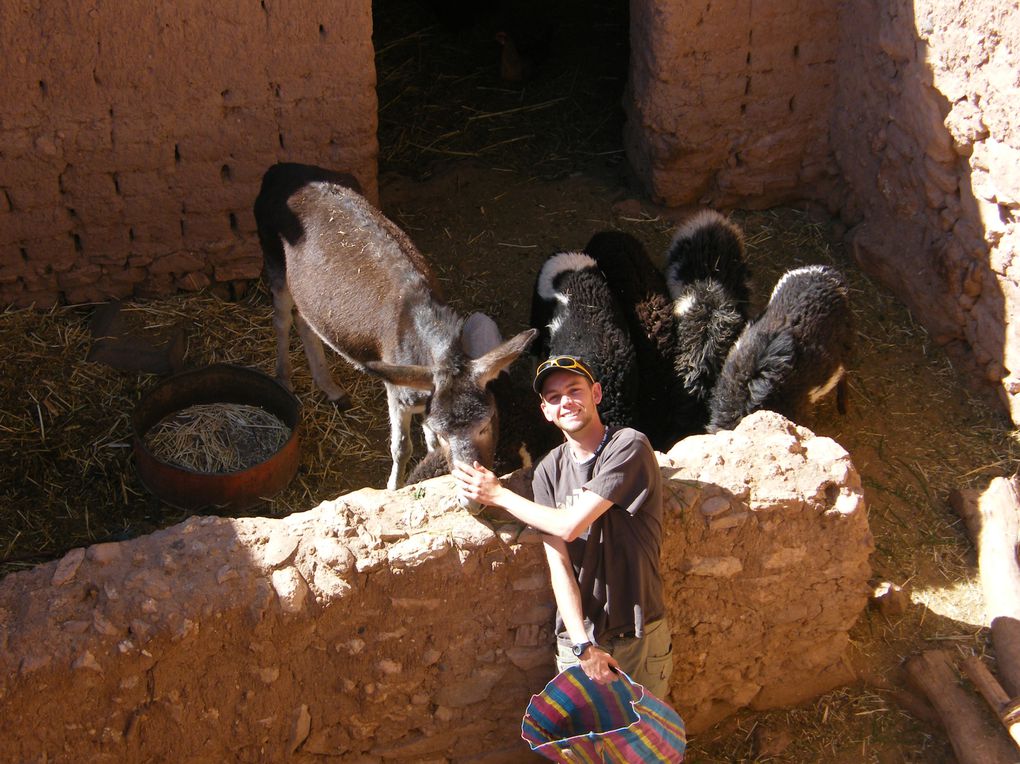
[{"x": 569, "y": 400}]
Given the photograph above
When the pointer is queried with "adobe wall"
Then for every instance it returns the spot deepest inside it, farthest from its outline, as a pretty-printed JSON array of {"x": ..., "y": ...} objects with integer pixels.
[
  {"x": 132, "y": 140},
  {"x": 927, "y": 135},
  {"x": 728, "y": 102},
  {"x": 394, "y": 626}
]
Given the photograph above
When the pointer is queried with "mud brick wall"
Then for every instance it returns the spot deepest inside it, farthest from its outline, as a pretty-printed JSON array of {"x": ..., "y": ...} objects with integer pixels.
[
  {"x": 133, "y": 136},
  {"x": 927, "y": 135},
  {"x": 729, "y": 102}
]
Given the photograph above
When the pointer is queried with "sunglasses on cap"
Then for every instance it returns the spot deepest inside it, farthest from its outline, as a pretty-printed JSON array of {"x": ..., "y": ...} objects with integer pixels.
[{"x": 561, "y": 363}]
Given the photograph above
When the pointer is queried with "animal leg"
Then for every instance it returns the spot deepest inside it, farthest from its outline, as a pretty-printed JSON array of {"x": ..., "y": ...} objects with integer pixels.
[
  {"x": 317, "y": 363},
  {"x": 283, "y": 313},
  {"x": 431, "y": 439},
  {"x": 400, "y": 435},
  {"x": 842, "y": 392}
]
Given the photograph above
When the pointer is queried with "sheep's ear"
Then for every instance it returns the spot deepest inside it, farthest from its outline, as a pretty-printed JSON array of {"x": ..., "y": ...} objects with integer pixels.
[
  {"x": 488, "y": 367},
  {"x": 418, "y": 377}
]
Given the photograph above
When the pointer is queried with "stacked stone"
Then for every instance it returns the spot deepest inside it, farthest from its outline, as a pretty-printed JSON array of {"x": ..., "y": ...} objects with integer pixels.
[
  {"x": 766, "y": 561},
  {"x": 929, "y": 143},
  {"x": 393, "y": 625}
]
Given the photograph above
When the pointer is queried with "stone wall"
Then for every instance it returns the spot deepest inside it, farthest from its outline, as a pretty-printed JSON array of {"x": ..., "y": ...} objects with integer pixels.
[
  {"x": 393, "y": 626},
  {"x": 927, "y": 135},
  {"x": 133, "y": 137},
  {"x": 729, "y": 102}
]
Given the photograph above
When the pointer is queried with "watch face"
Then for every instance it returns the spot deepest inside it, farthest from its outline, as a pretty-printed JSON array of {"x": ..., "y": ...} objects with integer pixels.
[{"x": 578, "y": 650}]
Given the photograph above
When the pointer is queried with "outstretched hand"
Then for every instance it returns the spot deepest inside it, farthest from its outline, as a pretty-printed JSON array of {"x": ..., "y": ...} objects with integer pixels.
[{"x": 476, "y": 483}]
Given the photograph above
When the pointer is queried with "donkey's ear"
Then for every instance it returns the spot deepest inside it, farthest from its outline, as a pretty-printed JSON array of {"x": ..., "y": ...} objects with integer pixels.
[
  {"x": 419, "y": 377},
  {"x": 488, "y": 367},
  {"x": 479, "y": 335}
]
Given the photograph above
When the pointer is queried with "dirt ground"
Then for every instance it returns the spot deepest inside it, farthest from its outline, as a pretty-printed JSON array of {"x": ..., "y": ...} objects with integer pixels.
[{"x": 489, "y": 179}]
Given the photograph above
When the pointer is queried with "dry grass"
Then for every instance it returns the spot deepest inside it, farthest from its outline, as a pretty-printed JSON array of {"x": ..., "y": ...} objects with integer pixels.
[
  {"x": 217, "y": 437},
  {"x": 68, "y": 478}
]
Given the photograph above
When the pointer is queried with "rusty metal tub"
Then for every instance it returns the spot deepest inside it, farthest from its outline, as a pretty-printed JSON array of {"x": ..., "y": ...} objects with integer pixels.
[{"x": 220, "y": 383}]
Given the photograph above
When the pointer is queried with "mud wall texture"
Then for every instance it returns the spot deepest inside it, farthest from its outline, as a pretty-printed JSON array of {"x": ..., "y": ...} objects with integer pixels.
[
  {"x": 728, "y": 103},
  {"x": 393, "y": 626},
  {"x": 133, "y": 137},
  {"x": 927, "y": 135},
  {"x": 898, "y": 116}
]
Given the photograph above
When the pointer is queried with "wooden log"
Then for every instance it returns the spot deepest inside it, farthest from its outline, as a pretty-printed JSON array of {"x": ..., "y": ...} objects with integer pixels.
[
  {"x": 974, "y": 741},
  {"x": 990, "y": 689},
  {"x": 993, "y": 520}
]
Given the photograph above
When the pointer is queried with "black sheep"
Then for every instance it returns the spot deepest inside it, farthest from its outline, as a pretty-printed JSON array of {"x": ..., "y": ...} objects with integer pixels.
[
  {"x": 793, "y": 354},
  {"x": 576, "y": 313},
  {"x": 708, "y": 281},
  {"x": 664, "y": 406}
]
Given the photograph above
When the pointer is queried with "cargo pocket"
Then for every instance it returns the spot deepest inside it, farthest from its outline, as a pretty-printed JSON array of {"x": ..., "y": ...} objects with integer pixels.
[{"x": 660, "y": 666}]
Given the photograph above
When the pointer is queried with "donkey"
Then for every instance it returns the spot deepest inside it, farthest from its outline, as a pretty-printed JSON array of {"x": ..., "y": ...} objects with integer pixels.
[{"x": 346, "y": 275}]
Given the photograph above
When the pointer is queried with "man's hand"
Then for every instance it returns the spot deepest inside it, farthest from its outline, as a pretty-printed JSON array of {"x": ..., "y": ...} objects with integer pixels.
[
  {"x": 599, "y": 665},
  {"x": 476, "y": 483}
]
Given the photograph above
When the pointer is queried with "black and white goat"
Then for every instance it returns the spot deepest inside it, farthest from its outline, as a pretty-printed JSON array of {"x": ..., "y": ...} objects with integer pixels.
[
  {"x": 641, "y": 291},
  {"x": 576, "y": 313},
  {"x": 792, "y": 355},
  {"x": 349, "y": 277},
  {"x": 708, "y": 281}
]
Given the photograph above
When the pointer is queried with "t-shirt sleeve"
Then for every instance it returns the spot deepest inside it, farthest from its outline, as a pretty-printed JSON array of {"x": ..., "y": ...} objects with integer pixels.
[
  {"x": 541, "y": 485},
  {"x": 627, "y": 472}
]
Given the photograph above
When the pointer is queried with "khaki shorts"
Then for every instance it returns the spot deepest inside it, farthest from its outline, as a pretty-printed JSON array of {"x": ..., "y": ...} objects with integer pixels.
[{"x": 648, "y": 660}]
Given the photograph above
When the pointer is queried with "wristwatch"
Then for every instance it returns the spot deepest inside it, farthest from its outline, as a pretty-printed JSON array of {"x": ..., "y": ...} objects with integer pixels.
[{"x": 578, "y": 649}]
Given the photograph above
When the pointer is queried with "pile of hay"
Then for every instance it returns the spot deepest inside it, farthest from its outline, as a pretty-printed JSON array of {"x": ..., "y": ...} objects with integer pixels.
[{"x": 217, "y": 438}]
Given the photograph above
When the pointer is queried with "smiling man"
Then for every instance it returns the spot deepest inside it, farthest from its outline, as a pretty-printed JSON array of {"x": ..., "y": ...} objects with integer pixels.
[{"x": 598, "y": 500}]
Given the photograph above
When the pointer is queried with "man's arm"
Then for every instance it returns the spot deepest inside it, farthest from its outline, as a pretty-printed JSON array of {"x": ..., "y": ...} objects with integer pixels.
[
  {"x": 595, "y": 662},
  {"x": 479, "y": 484}
]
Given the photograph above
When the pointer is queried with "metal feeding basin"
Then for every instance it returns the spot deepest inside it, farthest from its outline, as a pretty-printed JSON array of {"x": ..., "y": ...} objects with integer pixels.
[{"x": 191, "y": 489}]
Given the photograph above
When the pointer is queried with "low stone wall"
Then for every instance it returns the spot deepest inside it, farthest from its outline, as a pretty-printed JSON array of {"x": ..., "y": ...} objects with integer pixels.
[{"x": 393, "y": 626}]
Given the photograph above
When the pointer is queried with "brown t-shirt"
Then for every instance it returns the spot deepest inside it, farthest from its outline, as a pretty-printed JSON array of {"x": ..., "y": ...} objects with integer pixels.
[{"x": 617, "y": 561}]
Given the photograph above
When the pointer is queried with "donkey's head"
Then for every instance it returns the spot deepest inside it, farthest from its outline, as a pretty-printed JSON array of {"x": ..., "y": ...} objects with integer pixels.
[{"x": 461, "y": 410}]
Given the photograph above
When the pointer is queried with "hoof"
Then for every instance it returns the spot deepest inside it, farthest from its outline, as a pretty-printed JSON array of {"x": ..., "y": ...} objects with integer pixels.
[{"x": 342, "y": 402}]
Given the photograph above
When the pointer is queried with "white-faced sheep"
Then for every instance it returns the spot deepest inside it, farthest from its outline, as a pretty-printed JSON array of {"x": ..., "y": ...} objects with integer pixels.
[
  {"x": 664, "y": 405},
  {"x": 347, "y": 276},
  {"x": 708, "y": 281},
  {"x": 796, "y": 352},
  {"x": 576, "y": 313}
]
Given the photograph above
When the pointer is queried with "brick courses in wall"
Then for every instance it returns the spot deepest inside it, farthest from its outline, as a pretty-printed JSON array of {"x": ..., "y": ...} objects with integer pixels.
[
  {"x": 133, "y": 138},
  {"x": 728, "y": 102}
]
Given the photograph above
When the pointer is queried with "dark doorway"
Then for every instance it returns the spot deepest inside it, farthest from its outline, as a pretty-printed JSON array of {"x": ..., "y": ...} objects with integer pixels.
[{"x": 528, "y": 85}]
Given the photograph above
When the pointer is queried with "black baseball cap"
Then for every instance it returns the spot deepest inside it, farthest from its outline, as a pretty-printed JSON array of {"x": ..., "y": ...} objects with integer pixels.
[{"x": 561, "y": 363}]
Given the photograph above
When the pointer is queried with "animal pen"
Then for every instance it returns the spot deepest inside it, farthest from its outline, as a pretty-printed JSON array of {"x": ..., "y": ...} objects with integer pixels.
[{"x": 134, "y": 141}]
